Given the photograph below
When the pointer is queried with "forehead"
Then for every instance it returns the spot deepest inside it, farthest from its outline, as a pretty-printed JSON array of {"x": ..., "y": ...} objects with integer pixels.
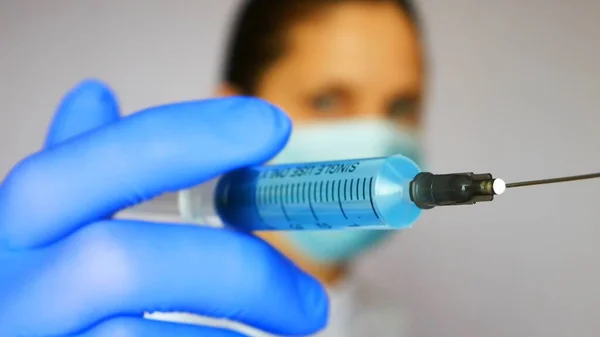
[{"x": 367, "y": 44}]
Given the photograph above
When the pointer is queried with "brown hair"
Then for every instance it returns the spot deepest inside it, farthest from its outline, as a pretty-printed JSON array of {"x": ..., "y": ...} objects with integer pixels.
[{"x": 258, "y": 36}]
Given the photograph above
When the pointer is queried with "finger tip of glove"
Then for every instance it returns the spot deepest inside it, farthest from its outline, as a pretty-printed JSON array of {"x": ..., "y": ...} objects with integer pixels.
[
  {"x": 273, "y": 127},
  {"x": 256, "y": 127},
  {"x": 88, "y": 105},
  {"x": 92, "y": 85},
  {"x": 90, "y": 92},
  {"x": 315, "y": 303},
  {"x": 264, "y": 111}
]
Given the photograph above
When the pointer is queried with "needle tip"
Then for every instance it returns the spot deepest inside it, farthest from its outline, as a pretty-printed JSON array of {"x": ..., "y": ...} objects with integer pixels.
[{"x": 499, "y": 186}]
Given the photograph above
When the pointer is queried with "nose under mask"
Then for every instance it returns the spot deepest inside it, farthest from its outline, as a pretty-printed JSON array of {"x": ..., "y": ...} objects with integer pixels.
[{"x": 337, "y": 141}]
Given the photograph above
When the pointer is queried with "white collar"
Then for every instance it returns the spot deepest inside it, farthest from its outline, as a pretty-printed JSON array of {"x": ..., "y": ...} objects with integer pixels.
[{"x": 342, "y": 305}]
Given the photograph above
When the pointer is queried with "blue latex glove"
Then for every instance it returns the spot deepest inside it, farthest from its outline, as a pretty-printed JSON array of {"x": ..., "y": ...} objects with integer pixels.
[{"x": 67, "y": 269}]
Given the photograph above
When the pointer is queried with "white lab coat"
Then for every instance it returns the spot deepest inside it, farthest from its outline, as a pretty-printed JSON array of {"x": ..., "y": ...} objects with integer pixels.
[{"x": 356, "y": 310}]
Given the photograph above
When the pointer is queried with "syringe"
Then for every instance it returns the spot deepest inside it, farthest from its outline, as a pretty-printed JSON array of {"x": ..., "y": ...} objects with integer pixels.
[{"x": 371, "y": 193}]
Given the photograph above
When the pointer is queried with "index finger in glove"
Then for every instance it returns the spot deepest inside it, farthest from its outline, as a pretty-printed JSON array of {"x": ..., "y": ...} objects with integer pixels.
[{"x": 161, "y": 149}]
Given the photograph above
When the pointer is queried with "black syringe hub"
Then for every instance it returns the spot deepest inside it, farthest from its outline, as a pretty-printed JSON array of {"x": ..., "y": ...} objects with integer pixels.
[{"x": 428, "y": 190}]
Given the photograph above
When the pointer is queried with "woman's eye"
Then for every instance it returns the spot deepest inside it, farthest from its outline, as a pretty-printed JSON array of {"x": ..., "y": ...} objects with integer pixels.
[
  {"x": 326, "y": 103},
  {"x": 402, "y": 108}
]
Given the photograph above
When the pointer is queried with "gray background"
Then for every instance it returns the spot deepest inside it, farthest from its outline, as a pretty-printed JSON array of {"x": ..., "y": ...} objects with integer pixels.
[{"x": 515, "y": 91}]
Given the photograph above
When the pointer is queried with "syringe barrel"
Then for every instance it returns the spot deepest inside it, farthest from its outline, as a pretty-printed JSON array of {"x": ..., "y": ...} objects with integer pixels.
[{"x": 371, "y": 193}]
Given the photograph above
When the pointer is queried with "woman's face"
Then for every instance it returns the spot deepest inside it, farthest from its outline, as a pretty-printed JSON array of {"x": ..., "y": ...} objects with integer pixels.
[
  {"x": 352, "y": 61},
  {"x": 349, "y": 60}
]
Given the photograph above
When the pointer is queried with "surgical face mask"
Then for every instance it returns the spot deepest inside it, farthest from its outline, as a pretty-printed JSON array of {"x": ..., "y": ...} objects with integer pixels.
[{"x": 337, "y": 141}]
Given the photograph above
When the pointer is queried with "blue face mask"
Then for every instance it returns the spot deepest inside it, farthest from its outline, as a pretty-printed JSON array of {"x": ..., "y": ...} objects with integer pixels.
[{"x": 345, "y": 140}]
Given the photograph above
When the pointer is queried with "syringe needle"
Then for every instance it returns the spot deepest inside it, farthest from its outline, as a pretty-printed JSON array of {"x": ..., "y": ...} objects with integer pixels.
[{"x": 554, "y": 180}]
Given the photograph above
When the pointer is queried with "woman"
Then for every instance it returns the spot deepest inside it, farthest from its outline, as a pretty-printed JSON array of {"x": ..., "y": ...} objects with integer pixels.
[{"x": 350, "y": 76}]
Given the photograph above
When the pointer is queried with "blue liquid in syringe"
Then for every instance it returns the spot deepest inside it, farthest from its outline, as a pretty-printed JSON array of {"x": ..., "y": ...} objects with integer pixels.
[{"x": 369, "y": 193}]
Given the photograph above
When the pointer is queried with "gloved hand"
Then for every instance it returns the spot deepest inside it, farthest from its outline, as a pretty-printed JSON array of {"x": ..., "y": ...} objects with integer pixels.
[{"x": 67, "y": 269}]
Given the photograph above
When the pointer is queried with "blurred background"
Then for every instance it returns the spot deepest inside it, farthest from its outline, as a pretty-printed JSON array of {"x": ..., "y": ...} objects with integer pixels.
[{"x": 515, "y": 90}]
